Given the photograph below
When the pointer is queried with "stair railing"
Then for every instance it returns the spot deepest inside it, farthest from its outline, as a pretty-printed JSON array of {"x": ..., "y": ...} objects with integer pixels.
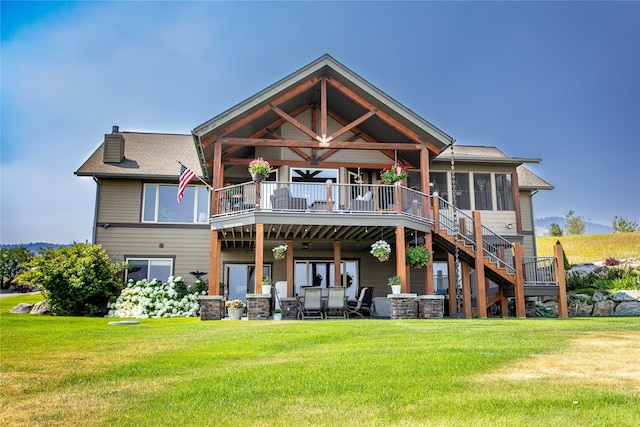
[{"x": 463, "y": 230}]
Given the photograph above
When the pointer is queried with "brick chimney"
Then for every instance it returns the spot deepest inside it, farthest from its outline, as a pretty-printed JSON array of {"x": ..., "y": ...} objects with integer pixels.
[{"x": 113, "y": 146}]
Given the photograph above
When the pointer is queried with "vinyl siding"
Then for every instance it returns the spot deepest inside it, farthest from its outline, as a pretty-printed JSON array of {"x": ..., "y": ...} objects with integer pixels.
[
  {"x": 189, "y": 246},
  {"x": 119, "y": 200}
]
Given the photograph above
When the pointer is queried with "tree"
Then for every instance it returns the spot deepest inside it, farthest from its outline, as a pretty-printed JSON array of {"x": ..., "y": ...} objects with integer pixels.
[
  {"x": 621, "y": 225},
  {"x": 13, "y": 262},
  {"x": 555, "y": 230},
  {"x": 574, "y": 224},
  {"x": 77, "y": 280}
]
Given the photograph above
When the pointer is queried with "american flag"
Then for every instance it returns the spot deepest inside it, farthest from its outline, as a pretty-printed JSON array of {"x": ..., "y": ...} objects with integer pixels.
[{"x": 186, "y": 175}]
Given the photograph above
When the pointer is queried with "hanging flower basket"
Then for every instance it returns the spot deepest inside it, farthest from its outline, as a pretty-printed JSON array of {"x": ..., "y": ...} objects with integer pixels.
[
  {"x": 394, "y": 173},
  {"x": 280, "y": 252},
  {"x": 259, "y": 169},
  {"x": 418, "y": 256},
  {"x": 381, "y": 250}
]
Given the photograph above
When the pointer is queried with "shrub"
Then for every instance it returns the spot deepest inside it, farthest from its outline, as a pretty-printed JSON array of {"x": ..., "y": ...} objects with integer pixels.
[
  {"x": 77, "y": 280},
  {"x": 611, "y": 262},
  {"x": 144, "y": 299},
  {"x": 13, "y": 262},
  {"x": 199, "y": 287}
]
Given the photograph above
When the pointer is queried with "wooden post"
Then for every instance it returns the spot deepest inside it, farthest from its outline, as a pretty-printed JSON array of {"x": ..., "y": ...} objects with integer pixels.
[
  {"x": 466, "y": 291},
  {"x": 481, "y": 290},
  {"x": 259, "y": 257},
  {"x": 337, "y": 278},
  {"x": 401, "y": 269},
  {"x": 518, "y": 253},
  {"x": 329, "y": 197},
  {"x": 436, "y": 213},
  {"x": 424, "y": 178},
  {"x": 563, "y": 311},
  {"x": 428, "y": 272},
  {"x": 214, "y": 263},
  {"x": 515, "y": 187},
  {"x": 397, "y": 197},
  {"x": 258, "y": 196},
  {"x": 504, "y": 304},
  {"x": 451, "y": 273},
  {"x": 290, "y": 268}
]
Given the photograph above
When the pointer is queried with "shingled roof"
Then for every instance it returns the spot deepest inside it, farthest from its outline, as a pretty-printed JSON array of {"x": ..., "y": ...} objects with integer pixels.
[{"x": 145, "y": 155}]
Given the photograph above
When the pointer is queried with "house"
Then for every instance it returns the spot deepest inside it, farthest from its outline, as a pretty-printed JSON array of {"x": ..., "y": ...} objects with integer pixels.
[{"x": 327, "y": 133}]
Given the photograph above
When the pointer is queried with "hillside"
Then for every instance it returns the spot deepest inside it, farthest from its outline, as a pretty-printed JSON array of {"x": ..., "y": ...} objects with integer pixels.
[
  {"x": 544, "y": 224},
  {"x": 587, "y": 248},
  {"x": 33, "y": 247}
]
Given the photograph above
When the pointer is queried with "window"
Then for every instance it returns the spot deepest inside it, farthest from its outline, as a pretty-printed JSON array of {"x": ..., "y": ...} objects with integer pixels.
[
  {"x": 149, "y": 269},
  {"x": 321, "y": 273},
  {"x": 482, "y": 191},
  {"x": 440, "y": 186},
  {"x": 504, "y": 192},
  {"x": 461, "y": 191},
  {"x": 159, "y": 204},
  {"x": 310, "y": 184}
]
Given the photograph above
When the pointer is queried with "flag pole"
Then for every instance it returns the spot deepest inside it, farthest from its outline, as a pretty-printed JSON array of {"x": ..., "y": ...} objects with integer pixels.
[{"x": 202, "y": 180}]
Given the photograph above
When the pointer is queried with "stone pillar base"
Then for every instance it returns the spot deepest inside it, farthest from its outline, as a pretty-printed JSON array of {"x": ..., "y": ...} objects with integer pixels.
[
  {"x": 258, "y": 306},
  {"x": 289, "y": 308},
  {"x": 431, "y": 306},
  {"x": 403, "y": 306},
  {"x": 530, "y": 306},
  {"x": 211, "y": 307}
]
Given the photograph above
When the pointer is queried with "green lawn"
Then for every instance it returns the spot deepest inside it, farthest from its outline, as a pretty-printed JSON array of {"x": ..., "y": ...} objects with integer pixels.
[{"x": 491, "y": 372}]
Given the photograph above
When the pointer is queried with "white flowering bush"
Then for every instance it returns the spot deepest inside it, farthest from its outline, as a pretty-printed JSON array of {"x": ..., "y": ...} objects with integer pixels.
[{"x": 155, "y": 299}]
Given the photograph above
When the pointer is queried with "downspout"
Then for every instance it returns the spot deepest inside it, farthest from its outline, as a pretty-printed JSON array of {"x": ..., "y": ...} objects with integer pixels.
[{"x": 533, "y": 217}]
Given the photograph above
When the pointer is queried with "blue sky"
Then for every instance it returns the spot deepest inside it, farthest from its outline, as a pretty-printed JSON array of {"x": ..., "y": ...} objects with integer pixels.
[{"x": 553, "y": 80}]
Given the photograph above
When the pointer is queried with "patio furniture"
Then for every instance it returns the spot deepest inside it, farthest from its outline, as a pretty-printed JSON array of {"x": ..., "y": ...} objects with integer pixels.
[
  {"x": 311, "y": 305},
  {"x": 363, "y": 304},
  {"x": 282, "y": 199},
  {"x": 381, "y": 307},
  {"x": 336, "y": 302},
  {"x": 363, "y": 203}
]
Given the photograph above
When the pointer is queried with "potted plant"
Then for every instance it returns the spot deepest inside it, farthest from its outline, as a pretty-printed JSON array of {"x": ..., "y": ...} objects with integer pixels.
[
  {"x": 381, "y": 250},
  {"x": 418, "y": 256},
  {"x": 235, "y": 308},
  {"x": 395, "y": 282},
  {"x": 277, "y": 314},
  {"x": 280, "y": 251},
  {"x": 394, "y": 173},
  {"x": 259, "y": 169},
  {"x": 266, "y": 284}
]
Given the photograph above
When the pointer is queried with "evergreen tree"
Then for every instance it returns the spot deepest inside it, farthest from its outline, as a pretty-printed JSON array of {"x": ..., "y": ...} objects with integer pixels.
[{"x": 555, "y": 230}]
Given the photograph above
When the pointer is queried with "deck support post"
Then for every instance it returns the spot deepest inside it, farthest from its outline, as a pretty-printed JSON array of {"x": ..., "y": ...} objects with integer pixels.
[
  {"x": 481, "y": 290},
  {"x": 428, "y": 271},
  {"x": 259, "y": 257},
  {"x": 290, "y": 268},
  {"x": 518, "y": 253},
  {"x": 558, "y": 253},
  {"x": 401, "y": 269},
  {"x": 337, "y": 277},
  {"x": 215, "y": 246},
  {"x": 451, "y": 278},
  {"x": 466, "y": 291}
]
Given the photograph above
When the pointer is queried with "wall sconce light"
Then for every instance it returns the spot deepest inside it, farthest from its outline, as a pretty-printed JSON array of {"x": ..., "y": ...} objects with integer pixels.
[{"x": 509, "y": 225}]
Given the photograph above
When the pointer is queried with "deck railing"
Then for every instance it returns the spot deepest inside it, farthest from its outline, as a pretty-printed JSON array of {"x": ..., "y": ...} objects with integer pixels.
[
  {"x": 539, "y": 270},
  {"x": 322, "y": 198}
]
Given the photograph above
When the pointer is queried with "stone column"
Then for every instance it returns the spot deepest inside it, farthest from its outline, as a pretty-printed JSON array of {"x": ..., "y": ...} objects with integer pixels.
[
  {"x": 403, "y": 306},
  {"x": 431, "y": 306},
  {"x": 289, "y": 308},
  {"x": 258, "y": 306},
  {"x": 211, "y": 307},
  {"x": 530, "y": 306}
]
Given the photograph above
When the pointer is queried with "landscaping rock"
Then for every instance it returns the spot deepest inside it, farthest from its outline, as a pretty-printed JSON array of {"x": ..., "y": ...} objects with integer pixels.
[
  {"x": 41, "y": 308},
  {"x": 604, "y": 308},
  {"x": 628, "y": 308},
  {"x": 552, "y": 306},
  {"x": 599, "y": 296},
  {"x": 625, "y": 296},
  {"x": 21, "y": 308}
]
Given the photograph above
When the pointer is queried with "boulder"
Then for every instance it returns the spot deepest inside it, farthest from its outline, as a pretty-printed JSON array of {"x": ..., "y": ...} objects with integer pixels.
[
  {"x": 552, "y": 305},
  {"x": 603, "y": 308},
  {"x": 599, "y": 296},
  {"x": 628, "y": 295},
  {"x": 21, "y": 308},
  {"x": 41, "y": 308},
  {"x": 628, "y": 308},
  {"x": 579, "y": 308}
]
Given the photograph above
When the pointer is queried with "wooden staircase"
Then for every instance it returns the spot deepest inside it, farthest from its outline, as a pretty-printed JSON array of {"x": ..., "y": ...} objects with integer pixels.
[{"x": 498, "y": 260}]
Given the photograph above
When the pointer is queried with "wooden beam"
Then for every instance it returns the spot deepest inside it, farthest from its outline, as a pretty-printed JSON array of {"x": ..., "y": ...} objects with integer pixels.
[
  {"x": 323, "y": 107},
  {"x": 316, "y": 144},
  {"x": 300, "y": 163},
  {"x": 383, "y": 116},
  {"x": 351, "y": 125},
  {"x": 401, "y": 268},
  {"x": 290, "y": 269},
  {"x": 451, "y": 288},
  {"x": 518, "y": 287},
  {"x": 337, "y": 255},
  {"x": 294, "y": 122},
  {"x": 262, "y": 110},
  {"x": 214, "y": 263}
]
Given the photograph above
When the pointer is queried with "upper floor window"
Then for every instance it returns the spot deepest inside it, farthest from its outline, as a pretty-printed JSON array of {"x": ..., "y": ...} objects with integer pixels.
[
  {"x": 159, "y": 204},
  {"x": 482, "y": 191},
  {"x": 504, "y": 192}
]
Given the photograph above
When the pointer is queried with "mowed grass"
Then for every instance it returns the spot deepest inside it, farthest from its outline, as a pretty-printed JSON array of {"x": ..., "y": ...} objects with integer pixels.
[
  {"x": 585, "y": 248},
  {"x": 64, "y": 371}
]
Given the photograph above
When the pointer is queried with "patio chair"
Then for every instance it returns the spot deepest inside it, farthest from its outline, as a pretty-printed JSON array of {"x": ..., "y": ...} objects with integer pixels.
[
  {"x": 363, "y": 304},
  {"x": 363, "y": 203},
  {"x": 282, "y": 199},
  {"x": 311, "y": 307},
  {"x": 336, "y": 302}
]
